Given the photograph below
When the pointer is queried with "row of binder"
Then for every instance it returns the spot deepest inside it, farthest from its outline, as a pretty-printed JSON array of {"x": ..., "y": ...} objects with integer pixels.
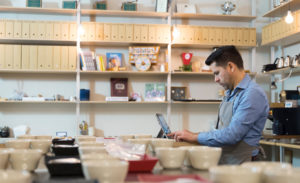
[
  {"x": 92, "y": 31},
  {"x": 31, "y": 57},
  {"x": 215, "y": 35},
  {"x": 280, "y": 29}
]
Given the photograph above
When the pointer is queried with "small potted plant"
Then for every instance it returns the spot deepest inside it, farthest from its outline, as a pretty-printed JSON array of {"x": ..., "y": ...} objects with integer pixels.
[{"x": 4, "y": 132}]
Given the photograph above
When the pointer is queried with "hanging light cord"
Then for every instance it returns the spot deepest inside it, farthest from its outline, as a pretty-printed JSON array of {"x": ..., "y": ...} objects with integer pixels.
[{"x": 290, "y": 73}]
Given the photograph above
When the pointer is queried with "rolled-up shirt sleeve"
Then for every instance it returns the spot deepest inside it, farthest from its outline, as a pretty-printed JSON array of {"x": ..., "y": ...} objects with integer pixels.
[{"x": 251, "y": 106}]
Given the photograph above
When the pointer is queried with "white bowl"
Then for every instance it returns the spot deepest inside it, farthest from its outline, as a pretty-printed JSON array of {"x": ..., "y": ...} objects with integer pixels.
[
  {"x": 29, "y": 137},
  {"x": 204, "y": 157},
  {"x": 234, "y": 174},
  {"x": 105, "y": 171},
  {"x": 89, "y": 143},
  {"x": 142, "y": 136},
  {"x": 161, "y": 143},
  {"x": 44, "y": 137},
  {"x": 91, "y": 149},
  {"x": 4, "y": 155},
  {"x": 43, "y": 145},
  {"x": 281, "y": 175},
  {"x": 96, "y": 156},
  {"x": 187, "y": 161},
  {"x": 14, "y": 176},
  {"x": 169, "y": 157},
  {"x": 18, "y": 144},
  {"x": 25, "y": 159},
  {"x": 126, "y": 137}
]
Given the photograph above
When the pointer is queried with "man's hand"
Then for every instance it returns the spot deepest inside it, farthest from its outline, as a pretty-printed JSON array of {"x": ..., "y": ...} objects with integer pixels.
[{"x": 184, "y": 135}]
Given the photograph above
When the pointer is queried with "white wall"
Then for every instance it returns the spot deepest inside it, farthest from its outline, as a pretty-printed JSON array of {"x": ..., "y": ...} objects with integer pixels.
[{"x": 116, "y": 119}]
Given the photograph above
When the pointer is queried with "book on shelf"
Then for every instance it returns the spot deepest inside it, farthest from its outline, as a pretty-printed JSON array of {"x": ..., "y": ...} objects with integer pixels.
[
  {"x": 113, "y": 61},
  {"x": 100, "y": 63},
  {"x": 116, "y": 99},
  {"x": 119, "y": 87},
  {"x": 87, "y": 61},
  {"x": 155, "y": 92}
]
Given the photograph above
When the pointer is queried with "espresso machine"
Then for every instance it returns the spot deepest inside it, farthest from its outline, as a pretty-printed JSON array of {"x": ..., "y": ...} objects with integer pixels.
[{"x": 286, "y": 119}]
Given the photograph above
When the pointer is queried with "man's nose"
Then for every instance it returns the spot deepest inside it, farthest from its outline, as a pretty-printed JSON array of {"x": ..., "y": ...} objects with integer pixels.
[{"x": 217, "y": 79}]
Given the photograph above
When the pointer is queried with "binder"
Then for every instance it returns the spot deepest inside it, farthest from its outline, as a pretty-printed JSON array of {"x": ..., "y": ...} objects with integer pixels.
[
  {"x": 33, "y": 30},
  {"x": 73, "y": 31},
  {"x": 41, "y": 30},
  {"x": 72, "y": 58},
  {"x": 25, "y": 29},
  {"x": 212, "y": 35},
  {"x": 64, "y": 59},
  {"x": 129, "y": 32},
  {"x": 99, "y": 31},
  {"x": 25, "y": 57},
  {"x": 122, "y": 32},
  {"x": 49, "y": 58},
  {"x": 49, "y": 31},
  {"x": 65, "y": 31},
  {"x": 9, "y": 55},
  {"x": 56, "y": 57},
  {"x": 56, "y": 31},
  {"x": 144, "y": 33},
  {"x": 2, "y": 56},
  {"x": 152, "y": 33},
  {"x": 17, "y": 50},
  {"x": 137, "y": 33},
  {"x": 91, "y": 31},
  {"x": 2, "y": 29},
  {"x": 107, "y": 32},
  {"x": 17, "y": 29},
  {"x": 42, "y": 57},
  {"x": 33, "y": 57},
  {"x": 9, "y": 29},
  {"x": 114, "y": 32}
]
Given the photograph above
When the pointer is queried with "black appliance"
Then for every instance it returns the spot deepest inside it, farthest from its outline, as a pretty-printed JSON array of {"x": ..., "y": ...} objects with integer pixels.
[{"x": 286, "y": 121}]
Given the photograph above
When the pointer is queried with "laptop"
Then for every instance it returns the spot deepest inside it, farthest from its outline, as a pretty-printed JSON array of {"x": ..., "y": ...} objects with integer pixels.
[{"x": 164, "y": 126}]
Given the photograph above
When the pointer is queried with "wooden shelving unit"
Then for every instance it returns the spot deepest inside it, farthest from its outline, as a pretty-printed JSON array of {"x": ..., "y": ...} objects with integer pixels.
[
  {"x": 120, "y": 43},
  {"x": 285, "y": 41},
  {"x": 236, "y": 18},
  {"x": 119, "y": 13},
  {"x": 37, "y": 42},
  {"x": 37, "y": 10},
  {"x": 36, "y": 102},
  {"x": 204, "y": 46},
  {"x": 36, "y": 71},
  {"x": 281, "y": 10},
  {"x": 125, "y": 102},
  {"x": 284, "y": 70},
  {"x": 123, "y": 73}
]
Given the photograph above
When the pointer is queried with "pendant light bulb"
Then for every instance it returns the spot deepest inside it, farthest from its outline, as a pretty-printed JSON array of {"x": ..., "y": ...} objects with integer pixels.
[
  {"x": 289, "y": 17},
  {"x": 176, "y": 33}
]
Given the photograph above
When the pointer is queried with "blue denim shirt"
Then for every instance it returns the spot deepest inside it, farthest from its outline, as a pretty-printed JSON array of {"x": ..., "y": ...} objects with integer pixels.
[{"x": 250, "y": 111}]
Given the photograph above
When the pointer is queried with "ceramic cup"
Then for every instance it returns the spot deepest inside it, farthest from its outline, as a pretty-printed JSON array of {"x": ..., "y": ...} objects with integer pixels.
[
  {"x": 105, "y": 171},
  {"x": 157, "y": 142},
  {"x": 4, "y": 155},
  {"x": 204, "y": 157},
  {"x": 25, "y": 159},
  {"x": 96, "y": 156},
  {"x": 43, "y": 145},
  {"x": 91, "y": 149},
  {"x": 14, "y": 176},
  {"x": 280, "y": 175},
  {"x": 89, "y": 143},
  {"x": 170, "y": 157}
]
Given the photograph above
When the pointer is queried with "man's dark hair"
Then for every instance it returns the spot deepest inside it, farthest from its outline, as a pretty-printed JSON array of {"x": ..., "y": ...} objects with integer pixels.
[{"x": 225, "y": 54}]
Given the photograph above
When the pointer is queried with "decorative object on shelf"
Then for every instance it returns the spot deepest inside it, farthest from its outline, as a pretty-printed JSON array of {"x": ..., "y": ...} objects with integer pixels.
[
  {"x": 196, "y": 66},
  {"x": 279, "y": 62},
  {"x": 228, "y": 7},
  {"x": 87, "y": 62},
  {"x": 83, "y": 126},
  {"x": 101, "y": 5},
  {"x": 135, "y": 97},
  {"x": 186, "y": 8},
  {"x": 143, "y": 57},
  {"x": 4, "y": 132},
  {"x": 129, "y": 6},
  {"x": 119, "y": 87},
  {"x": 69, "y": 4},
  {"x": 113, "y": 61},
  {"x": 186, "y": 59},
  {"x": 155, "y": 92},
  {"x": 161, "y": 6},
  {"x": 296, "y": 61},
  {"x": 287, "y": 61},
  {"x": 34, "y": 3},
  {"x": 178, "y": 93},
  {"x": 84, "y": 95}
]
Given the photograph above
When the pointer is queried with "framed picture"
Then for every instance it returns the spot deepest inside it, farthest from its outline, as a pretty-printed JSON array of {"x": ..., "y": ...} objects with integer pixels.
[
  {"x": 119, "y": 87},
  {"x": 113, "y": 61},
  {"x": 161, "y": 6}
]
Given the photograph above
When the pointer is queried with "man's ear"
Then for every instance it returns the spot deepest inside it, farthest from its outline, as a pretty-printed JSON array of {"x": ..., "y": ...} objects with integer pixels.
[{"x": 231, "y": 66}]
